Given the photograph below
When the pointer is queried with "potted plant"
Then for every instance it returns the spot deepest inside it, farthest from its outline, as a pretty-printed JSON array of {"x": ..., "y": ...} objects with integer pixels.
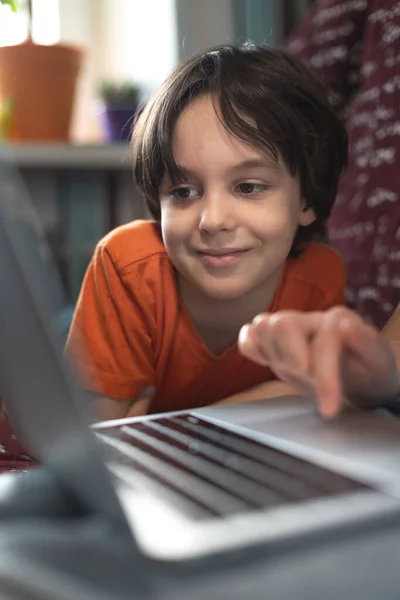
[
  {"x": 38, "y": 84},
  {"x": 120, "y": 103}
]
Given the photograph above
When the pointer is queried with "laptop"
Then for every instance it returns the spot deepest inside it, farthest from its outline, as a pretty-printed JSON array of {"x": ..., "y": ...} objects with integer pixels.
[{"x": 189, "y": 484}]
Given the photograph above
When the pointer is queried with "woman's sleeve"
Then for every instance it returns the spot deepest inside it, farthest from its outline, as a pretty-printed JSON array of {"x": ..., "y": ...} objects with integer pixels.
[{"x": 329, "y": 40}]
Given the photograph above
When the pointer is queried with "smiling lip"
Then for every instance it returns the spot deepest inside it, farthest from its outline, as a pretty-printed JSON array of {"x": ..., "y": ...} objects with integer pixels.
[{"x": 221, "y": 258}]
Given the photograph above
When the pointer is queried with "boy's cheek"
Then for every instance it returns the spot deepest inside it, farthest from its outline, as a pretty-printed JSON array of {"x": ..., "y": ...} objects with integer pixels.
[{"x": 176, "y": 229}]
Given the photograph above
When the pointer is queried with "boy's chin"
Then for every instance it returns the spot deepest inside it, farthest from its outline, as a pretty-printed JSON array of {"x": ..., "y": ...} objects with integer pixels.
[{"x": 225, "y": 292}]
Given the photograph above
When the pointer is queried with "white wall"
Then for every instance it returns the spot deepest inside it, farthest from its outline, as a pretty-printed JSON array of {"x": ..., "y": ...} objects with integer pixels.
[
  {"x": 137, "y": 40},
  {"x": 124, "y": 40},
  {"x": 78, "y": 25},
  {"x": 45, "y": 26}
]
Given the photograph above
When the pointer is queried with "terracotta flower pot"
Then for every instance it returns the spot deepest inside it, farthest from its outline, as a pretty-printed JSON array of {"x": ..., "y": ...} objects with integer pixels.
[{"x": 40, "y": 83}]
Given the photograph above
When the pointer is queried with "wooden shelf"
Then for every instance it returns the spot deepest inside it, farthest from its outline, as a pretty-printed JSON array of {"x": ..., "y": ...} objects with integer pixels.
[{"x": 71, "y": 156}]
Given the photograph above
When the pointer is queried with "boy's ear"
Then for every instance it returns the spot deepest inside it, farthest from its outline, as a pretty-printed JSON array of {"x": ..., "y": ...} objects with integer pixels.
[{"x": 307, "y": 214}]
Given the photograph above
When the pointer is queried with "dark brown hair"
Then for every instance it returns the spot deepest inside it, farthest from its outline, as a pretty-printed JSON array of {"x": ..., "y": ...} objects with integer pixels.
[{"x": 267, "y": 99}]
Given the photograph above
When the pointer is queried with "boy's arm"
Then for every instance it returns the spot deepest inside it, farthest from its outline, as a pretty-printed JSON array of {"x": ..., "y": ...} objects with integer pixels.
[
  {"x": 104, "y": 408},
  {"x": 111, "y": 364},
  {"x": 268, "y": 389}
]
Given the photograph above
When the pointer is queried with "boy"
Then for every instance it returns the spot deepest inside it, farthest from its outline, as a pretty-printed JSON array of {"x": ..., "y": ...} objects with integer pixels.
[{"x": 238, "y": 155}]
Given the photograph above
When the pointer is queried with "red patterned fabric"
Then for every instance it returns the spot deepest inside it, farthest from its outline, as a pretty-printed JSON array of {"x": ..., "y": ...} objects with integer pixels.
[
  {"x": 354, "y": 46},
  {"x": 12, "y": 455}
]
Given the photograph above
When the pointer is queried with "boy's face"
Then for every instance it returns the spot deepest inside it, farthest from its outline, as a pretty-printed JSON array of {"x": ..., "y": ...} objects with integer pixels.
[{"x": 229, "y": 228}]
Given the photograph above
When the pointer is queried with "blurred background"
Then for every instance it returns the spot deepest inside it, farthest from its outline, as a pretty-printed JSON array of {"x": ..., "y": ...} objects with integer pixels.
[{"x": 71, "y": 75}]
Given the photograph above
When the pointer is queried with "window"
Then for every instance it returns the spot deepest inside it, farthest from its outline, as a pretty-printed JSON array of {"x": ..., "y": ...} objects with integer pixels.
[{"x": 45, "y": 23}]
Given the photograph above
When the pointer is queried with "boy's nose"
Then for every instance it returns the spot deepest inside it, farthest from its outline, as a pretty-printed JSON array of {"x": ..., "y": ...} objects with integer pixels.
[{"x": 217, "y": 214}]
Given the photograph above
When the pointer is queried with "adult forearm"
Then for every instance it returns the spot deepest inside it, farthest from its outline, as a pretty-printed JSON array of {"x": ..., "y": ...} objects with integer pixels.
[{"x": 392, "y": 334}]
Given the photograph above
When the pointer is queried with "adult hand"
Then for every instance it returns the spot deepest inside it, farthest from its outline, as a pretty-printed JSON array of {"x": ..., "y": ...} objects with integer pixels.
[{"x": 333, "y": 355}]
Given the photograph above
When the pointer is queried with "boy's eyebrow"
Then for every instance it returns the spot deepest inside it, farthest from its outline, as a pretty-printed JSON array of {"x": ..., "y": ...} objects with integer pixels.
[
  {"x": 258, "y": 163},
  {"x": 252, "y": 163}
]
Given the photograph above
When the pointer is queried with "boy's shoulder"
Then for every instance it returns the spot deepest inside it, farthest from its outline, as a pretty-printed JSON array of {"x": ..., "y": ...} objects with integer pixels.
[
  {"x": 134, "y": 242},
  {"x": 320, "y": 265}
]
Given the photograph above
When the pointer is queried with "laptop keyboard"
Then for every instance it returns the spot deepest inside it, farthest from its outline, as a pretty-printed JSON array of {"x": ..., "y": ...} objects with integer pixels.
[{"x": 206, "y": 470}]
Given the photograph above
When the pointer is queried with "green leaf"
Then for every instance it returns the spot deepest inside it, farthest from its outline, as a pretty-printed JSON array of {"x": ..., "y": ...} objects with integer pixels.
[
  {"x": 11, "y": 3},
  {"x": 123, "y": 93}
]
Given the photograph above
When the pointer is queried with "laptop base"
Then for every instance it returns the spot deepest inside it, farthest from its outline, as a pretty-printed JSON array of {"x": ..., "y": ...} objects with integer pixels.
[{"x": 73, "y": 554}]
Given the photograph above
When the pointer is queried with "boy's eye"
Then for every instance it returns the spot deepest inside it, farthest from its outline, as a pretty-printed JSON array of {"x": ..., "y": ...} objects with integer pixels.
[
  {"x": 184, "y": 193},
  {"x": 251, "y": 189}
]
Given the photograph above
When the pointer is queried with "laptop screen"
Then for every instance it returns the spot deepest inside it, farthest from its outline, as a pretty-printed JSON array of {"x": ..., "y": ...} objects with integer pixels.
[{"x": 44, "y": 406}]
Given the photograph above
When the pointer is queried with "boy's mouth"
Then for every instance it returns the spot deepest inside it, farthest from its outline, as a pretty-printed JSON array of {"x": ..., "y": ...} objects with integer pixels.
[{"x": 223, "y": 257}]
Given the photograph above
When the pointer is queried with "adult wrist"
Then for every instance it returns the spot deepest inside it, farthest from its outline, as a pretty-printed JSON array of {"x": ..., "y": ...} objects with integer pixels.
[
  {"x": 388, "y": 399},
  {"x": 392, "y": 401},
  {"x": 392, "y": 404}
]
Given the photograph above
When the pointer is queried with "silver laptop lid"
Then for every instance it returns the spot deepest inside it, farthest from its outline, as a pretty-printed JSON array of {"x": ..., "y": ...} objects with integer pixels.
[{"x": 45, "y": 407}]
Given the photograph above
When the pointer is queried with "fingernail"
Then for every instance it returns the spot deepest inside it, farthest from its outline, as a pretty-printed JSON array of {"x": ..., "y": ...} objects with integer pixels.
[
  {"x": 260, "y": 318},
  {"x": 327, "y": 409},
  {"x": 243, "y": 333}
]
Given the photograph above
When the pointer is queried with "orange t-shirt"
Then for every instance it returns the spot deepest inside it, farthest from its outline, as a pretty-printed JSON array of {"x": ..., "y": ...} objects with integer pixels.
[{"x": 137, "y": 332}]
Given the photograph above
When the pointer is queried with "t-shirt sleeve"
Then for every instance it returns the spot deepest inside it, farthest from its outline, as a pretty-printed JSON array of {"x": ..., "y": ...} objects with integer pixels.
[
  {"x": 314, "y": 281},
  {"x": 110, "y": 343}
]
